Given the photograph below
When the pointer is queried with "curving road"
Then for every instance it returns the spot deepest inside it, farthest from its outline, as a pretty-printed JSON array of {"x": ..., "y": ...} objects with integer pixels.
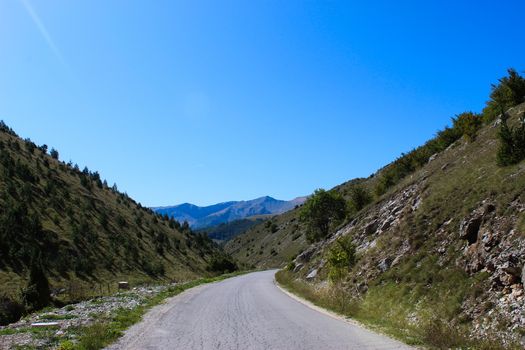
[{"x": 245, "y": 312}]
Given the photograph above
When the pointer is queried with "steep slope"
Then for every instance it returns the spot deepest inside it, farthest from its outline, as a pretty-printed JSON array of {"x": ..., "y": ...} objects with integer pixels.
[
  {"x": 271, "y": 244},
  {"x": 202, "y": 217},
  {"x": 84, "y": 232},
  {"x": 440, "y": 255}
]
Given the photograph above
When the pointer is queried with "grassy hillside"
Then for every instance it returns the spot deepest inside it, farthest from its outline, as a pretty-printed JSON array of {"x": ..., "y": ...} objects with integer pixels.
[
  {"x": 269, "y": 244},
  {"x": 84, "y": 233},
  {"x": 437, "y": 257},
  {"x": 274, "y": 243}
]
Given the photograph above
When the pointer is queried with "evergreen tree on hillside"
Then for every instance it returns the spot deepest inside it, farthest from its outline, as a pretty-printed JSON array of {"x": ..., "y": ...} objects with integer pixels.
[
  {"x": 19, "y": 231},
  {"x": 222, "y": 263},
  {"x": 37, "y": 294},
  {"x": 508, "y": 93},
  {"x": 5, "y": 128},
  {"x": 505, "y": 148},
  {"x": 54, "y": 153},
  {"x": 512, "y": 142},
  {"x": 519, "y": 139}
]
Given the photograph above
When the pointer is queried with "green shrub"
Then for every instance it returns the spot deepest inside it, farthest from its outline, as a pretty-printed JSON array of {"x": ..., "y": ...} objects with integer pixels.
[
  {"x": 66, "y": 345},
  {"x": 512, "y": 142},
  {"x": 508, "y": 93},
  {"x": 359, "y": 198},
  {"x": 321, "y": 212},
  {"x": 95, "y": 337},
  {"x": 341, "y": 257},
  {"x": 153, "y": 267},
  {"x": 222, "y": 263},
  {"x": 467, "y": 124},
  {"x": 385, "y": 182}
]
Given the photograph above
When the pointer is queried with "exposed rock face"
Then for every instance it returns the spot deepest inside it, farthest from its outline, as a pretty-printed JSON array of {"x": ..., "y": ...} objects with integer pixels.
[
  {"x": 496, "y": 248},
  {"x": 387, "y": 216},
  {"x": 312, "y": 274},
  {"x": 298, "y": 267},
  {"x": 432, "y": 157},
  {"x": 491, "y": 245},
  {"x": 470, "y": 226},
  {"x": 385, "y": 264},
  {"x": 500, "y": 252},
  {"x": 307, "y": 255},
  {"x": 371, "y": 227},
  {"x": 469, "y": 229}
]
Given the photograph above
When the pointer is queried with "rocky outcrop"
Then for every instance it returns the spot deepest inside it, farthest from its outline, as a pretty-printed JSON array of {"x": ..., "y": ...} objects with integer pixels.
[
  {"x": 470, "y": 226},
  {"x": 312, "y": 274},
  {"x": 491, "y": 245},
  {"x": 385, "y": 264},
  {"x": 384, "y": 216},
  {"x": 499, "y": 251}
]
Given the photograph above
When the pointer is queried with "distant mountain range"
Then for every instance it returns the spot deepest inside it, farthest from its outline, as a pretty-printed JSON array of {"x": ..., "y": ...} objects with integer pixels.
[{"x": 216, "y": 214}]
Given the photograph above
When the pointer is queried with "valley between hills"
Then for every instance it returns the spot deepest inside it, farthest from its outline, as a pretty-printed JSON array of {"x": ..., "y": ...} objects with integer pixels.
[{"x": 429, "y": 250}]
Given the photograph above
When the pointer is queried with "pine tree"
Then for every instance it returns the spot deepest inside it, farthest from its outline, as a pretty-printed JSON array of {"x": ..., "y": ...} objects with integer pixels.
[
  {"x": 512, "y": 142},
  {"x": 37, "y": 294},
  {"x": 508, "y": 93},
  {"x": 505, "y": 147},
  {"x": 54, "y": 153},
  {"x": 519, "y": 140}
]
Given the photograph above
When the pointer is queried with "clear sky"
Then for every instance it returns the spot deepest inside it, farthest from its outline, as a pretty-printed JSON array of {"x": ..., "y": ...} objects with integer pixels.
[{"x": 208, "y": 101}]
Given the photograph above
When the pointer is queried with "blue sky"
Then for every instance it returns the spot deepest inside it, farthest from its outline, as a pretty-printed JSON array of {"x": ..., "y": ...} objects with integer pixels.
[{"x": 208, "y": 101}]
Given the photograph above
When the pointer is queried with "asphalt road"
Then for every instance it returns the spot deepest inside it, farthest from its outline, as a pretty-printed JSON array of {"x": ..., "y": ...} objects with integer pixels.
[{"x": 245, "y": 312}]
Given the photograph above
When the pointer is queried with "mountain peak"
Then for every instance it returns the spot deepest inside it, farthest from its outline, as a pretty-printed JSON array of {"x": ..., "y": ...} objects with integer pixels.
[{"x": 211, "y": 215}]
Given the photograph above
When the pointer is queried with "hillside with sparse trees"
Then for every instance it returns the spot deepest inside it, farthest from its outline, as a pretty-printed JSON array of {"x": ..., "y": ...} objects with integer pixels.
[{"x": 65, "y": 232}]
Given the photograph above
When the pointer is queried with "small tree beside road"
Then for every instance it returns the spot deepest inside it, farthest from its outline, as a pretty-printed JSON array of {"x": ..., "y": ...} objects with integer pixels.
[{"x": 321, "y": 212}]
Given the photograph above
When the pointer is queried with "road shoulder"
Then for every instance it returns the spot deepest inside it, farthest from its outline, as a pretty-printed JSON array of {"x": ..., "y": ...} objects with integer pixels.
[{"x": 337, "y": 316}]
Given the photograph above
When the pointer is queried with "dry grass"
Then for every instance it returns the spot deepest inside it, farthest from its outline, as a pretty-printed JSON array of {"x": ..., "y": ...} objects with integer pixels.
[{"x": 388, "y": 310}]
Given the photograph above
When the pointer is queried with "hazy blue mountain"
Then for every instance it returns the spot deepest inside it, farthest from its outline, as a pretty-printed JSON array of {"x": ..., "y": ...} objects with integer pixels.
[
  {"x": 227, "y": 230},
  {"x": 201, "y": 217}
]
